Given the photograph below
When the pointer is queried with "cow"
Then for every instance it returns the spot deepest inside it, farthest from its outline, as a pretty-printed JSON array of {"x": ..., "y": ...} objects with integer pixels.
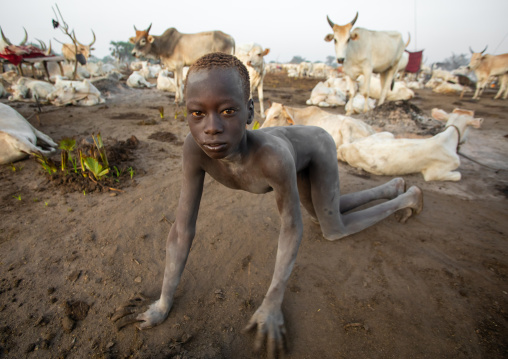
[
  {"x": 343, "y": 129},
  {"x": 363, "y": 51},
  {"x": 28, "y": 88},
  {"x": 165, "y": 82},
  {"x": 18, "y": 137},
  {"x": 138, "y": 80},
  {"x": 83, "y": 51},
  {"x": 252, "y": 55},
  {"x": 80, "y": 93},
  {"x": 4, "y": 42},
  {"x": 435, "y": 157},
  {"x": 176, "y": 50},
  {"x": 487, "y": 66}
]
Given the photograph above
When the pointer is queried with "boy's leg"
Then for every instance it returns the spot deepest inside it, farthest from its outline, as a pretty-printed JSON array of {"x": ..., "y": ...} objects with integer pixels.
[{"x": 323, "y": 177}]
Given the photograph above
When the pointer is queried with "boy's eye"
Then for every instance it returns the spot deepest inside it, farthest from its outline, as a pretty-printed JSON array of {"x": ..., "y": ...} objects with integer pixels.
[
  {"x": 229, "y": 111},
  {"x": 196, "y": 113}
]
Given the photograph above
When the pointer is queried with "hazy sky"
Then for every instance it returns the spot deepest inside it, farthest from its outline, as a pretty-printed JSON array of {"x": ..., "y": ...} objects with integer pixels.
[{"x": 288, "y": 28}]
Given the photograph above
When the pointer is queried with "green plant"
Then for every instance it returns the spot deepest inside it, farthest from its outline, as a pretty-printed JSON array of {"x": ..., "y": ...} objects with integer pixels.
[
  {"x": 256, "y": 125},
  {"x": 131, "y": 171},
  {"x": 48, "y": 165},
  {"x": 18, "y": 197},
  {"x": 96, "y": 168},
  {"x": 102, "y": 150},
  {"x": 67, "y": 145},
  {"x": 46, "y": 204},
  {"x": 161, "y": 111}
]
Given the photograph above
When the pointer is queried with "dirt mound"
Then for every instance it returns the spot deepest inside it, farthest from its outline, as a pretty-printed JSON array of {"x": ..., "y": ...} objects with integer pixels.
[
  {"x": 119, "y": 154},
  {"x": 402, "y": 118}
]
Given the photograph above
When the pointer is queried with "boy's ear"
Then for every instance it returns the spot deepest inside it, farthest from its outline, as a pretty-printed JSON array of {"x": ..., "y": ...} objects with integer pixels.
[{"x": 251, "y": 111}]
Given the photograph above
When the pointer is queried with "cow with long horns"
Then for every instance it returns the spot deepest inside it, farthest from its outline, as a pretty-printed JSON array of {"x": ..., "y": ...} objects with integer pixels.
[
  {"x": 176, "y": 50},
  {"x": 4, "y": 42},
  {"x": 78, "y": 52},
  {"x": 488, "y": 66},
  {"x": 363, "y": 52}
]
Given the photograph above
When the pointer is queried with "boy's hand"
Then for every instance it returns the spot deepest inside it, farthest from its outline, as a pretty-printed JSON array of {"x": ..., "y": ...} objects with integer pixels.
[
  {"x": 129, "y": 313},
  {"x": 270, "y": 327}
]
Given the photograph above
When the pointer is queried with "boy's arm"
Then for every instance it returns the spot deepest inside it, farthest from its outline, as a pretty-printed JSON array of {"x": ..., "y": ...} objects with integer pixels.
[
  {"x": 180, "y": 236},
  {"x": 268, "y": 318}
]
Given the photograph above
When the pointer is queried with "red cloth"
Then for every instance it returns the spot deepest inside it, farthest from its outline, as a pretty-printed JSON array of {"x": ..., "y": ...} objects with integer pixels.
[
  {"x": 15, "y": 54},
  {"x": 415, "y": 61}
]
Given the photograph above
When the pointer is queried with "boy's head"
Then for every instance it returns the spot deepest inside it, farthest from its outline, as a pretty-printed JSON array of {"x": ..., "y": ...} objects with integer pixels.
[{"x": 222, "y": 61}]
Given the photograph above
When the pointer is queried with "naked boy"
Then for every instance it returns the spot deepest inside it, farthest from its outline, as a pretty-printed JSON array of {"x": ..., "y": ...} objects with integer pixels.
[{"x": 299, "y": 163}]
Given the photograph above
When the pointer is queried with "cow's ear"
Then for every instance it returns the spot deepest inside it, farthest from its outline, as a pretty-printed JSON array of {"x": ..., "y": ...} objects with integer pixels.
[
  {"x": 288, "y": 117},
  {"x": 251, "y": 112},
  {"x": 475, "y": 122},
  {"x": 329, "y": 37},
  {"x": 92, "y": 48},
  {"x": 150, "y": 38},
  {"x": 354, "y": 36},
  {"x": 439, "y": 114},
  {"x": 266, "y": 52},
  {"x": 132, "y": 40}
]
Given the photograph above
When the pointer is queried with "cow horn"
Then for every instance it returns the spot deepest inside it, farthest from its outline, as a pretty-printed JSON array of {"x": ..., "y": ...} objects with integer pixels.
[
  {"x": 22, "y": 43},
  {"x": 43, "y": 45},
  {"x": 470, "y": 49},
  {"x": 4, "y": 38},
  {"x": 354, "y": 20},
  {"x": 408, "y": 39},
  {"x": 485, "y": 49},
  {"x": 149, "y": 27},
  {"x": 330, "y": 22},
  {"x": 93, "y": 41},
  {"x": 49, "y": 49},
  {"x": 135, "y": 28}
]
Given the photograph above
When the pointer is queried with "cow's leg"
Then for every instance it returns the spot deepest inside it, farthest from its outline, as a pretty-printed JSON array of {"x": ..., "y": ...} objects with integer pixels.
[
  {"x": 320, "y": 195},
  {"x": 386, "y": 82},
  {"x": 351, "y": 88},
  {"x": 178, "y": 74},
  {"x": 260, "y": 97},
  {"x": 365, "y": 90},
  {"x": 503, "y": 87}
]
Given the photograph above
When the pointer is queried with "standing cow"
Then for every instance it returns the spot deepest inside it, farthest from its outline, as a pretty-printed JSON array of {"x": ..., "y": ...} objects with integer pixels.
[
  {"x": 176, "y": 50},
  {"x": 487, "y": 66},
  {"x": 365, "y": 52}
]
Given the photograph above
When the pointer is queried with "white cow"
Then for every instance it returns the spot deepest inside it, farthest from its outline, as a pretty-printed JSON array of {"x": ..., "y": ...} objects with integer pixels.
[
  {"x": 435, "y": 157},
  {"x": 28, "y": 88},
  {"x": 165, "y": 83},
  {"x": 137, "y": 80},
  {"x": 80, "y": 93},
  {"x": 399, "y": 92},
  {"x": 18, "y": 137},
  {"x": 365, "y": 52},
  {"x": 252, "y": 55},
  {"x": 327, "y": 94},
  {"x": 343, "y": 129}
]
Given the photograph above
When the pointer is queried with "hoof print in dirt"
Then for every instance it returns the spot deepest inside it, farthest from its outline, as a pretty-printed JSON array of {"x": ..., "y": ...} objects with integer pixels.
[{"x": 165, "y": 137}]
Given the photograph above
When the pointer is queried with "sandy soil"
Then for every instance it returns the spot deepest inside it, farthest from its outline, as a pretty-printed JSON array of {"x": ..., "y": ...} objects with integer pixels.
[{"x": 436, "y": 287}]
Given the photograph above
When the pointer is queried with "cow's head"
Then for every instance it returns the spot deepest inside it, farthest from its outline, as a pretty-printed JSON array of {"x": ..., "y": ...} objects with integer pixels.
[
  {"x": 142, "y": 43},
  {"x": 255, "y": 56},
  {"x": 341, "y": 36},
  {"x": 277, "y": 115},
  {"x": 82, "y": 51},
  {"x": 5, "y": 41},
  {"x": 476, "y": 58}
]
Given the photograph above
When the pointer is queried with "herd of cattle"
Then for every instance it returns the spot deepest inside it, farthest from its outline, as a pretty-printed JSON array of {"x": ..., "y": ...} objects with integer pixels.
[{"x": 373, "y": 64}]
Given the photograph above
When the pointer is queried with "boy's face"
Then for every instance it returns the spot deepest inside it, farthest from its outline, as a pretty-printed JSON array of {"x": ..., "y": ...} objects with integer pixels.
[{"x": 217, "y": 113}]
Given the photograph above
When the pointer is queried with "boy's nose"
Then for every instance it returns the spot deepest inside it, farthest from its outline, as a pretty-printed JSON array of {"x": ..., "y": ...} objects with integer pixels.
[{"x": 213, "y": 125}]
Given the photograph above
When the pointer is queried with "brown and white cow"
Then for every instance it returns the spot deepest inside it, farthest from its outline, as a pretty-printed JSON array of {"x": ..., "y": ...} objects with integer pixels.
[
  {"x": 363, "y": 51},
  {"x": 176, "y": 50},
  {"x": 71, "y": 55},
  {"x": 487, "y": 66}
]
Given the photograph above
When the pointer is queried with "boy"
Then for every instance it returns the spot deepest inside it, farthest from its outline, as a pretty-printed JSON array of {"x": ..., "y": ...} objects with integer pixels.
[{"x": 299, "y": 163}]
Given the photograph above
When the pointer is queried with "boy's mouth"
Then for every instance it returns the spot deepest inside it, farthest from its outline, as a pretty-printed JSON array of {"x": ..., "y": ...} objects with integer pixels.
[{"x": 215, "y": 147}]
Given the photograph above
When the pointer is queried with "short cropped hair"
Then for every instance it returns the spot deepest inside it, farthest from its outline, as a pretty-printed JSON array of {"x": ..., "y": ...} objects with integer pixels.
[{"x": 223, "y": 61}]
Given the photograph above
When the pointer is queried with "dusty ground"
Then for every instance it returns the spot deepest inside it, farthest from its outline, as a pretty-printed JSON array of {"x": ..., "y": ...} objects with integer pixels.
[{"x": 436, "y": 287}]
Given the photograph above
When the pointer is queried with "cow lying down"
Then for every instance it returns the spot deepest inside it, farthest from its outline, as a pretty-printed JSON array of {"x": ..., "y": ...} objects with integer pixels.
[
  {"x": 18, "y": 137},
  {"x": 434, "y": 157},
  {"x": 343, "y": 129},
  {"x": 80, "y": 93}
]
